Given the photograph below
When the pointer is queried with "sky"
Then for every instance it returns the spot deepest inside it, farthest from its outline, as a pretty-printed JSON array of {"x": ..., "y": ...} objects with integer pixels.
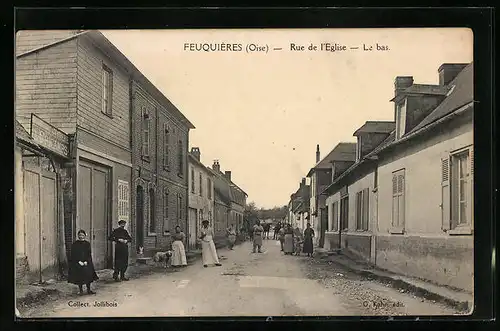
[{"x": 261, "y": 114}]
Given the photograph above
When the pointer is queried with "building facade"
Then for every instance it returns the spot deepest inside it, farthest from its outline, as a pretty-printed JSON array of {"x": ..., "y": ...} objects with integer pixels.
[
  {"x": 81, "y": 85},
  {"x": 406, "y": 205},
  {"x": 78, "y": 84},
  {"x": 201, "y": 195},
  {"x": 160, "y": 159},
  {"x": 425, "y": 190},
  {"x": 230, "y": 203}
]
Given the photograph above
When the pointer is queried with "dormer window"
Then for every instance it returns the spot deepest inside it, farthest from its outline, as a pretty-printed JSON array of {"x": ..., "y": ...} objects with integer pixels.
[
  {"x": 401, "y": 119},
  {"x": 358, "y": 149}
]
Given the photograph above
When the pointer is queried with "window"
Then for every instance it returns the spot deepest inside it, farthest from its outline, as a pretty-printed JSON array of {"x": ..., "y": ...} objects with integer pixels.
[
  {"x": 181, "y": 158},
  {"x": 398, "y": 200},
  {"x": 152, "y": 214},
  {"x": 166, "y": 147},
  {"x": 166, "y": 222},
  {"x": 362, "y": 205},
  {"x": 335, "y": 217},
  {"x": 201, "y": 184},
  {"x": 461, "y": 189},
  {"x": 400, "y": 119},
  {"x": 201, "y": 214},
  {"x": 344, "y": 213},
  {"x": 123, "y": 200},
  {"x": 145, "y": 132},
  {"x": 209, "y": 188},
  {"x": 107, "y": 91},
  {"x": 192, "y": 180},
  {"x": 358, "y": 149}
]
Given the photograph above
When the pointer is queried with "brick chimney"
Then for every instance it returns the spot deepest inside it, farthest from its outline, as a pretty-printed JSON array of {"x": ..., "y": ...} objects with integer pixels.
[
  {"x": 317, "y": 154},
  {"x": 195, "y": 151},
  {"x": 448, "y": 72},
  {"x": 216, "y": 166},
  {"x": 401, "y": 83},
  {"x": 228, "y": 175}
]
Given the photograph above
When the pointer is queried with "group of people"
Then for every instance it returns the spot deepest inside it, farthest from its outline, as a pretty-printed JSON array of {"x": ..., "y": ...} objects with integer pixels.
[
  {"x": 81, "y": 270},
  {"x": 293, "y": 241}
]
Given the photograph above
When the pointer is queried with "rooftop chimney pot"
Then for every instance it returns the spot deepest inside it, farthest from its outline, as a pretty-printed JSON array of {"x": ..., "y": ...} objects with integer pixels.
[
  {"x": 317, "y": 153},
  {"x": 195, "y": 151}
]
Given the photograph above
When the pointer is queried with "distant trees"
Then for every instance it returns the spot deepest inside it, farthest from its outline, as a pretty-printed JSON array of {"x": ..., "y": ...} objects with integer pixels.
[{"x": 252, "y": 213}]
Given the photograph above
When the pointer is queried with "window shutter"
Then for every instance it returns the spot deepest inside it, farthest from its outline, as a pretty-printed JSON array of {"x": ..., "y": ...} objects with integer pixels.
[
  {"x": 395, "y": 203},
  {"x": 445, "y": 194},
  {"x": 365, "y": 209}
]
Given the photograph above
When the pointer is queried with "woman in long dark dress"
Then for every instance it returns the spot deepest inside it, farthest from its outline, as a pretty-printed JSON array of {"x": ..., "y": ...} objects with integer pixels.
[
  {"x": 288, "y": 241},
  {"x": 81, "y": 268},
  {"x": 308, "y": 240}
]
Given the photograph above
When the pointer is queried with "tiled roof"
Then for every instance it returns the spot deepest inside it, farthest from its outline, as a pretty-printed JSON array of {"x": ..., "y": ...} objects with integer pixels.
[
  {"x": 461, "y": 94},
  {"x": 342, "y": 152},
  {"x": 376, "y": 127}
]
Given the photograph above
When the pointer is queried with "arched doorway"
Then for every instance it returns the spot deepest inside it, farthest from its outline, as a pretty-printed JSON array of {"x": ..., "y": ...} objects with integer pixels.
[{"x": 139, "y": 217}]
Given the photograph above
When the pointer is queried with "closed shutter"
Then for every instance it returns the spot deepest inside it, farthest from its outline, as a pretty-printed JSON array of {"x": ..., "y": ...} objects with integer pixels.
[
  {"x": 445, "y": 194},
  {"x": 401, "y": 193},
  {"x": 365, "y": 208},
  {"x": 395, "y": 204}
]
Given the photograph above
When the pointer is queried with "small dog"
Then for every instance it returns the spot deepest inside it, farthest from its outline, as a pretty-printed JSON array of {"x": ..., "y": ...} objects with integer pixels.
[{"x": 163, "y": 257}]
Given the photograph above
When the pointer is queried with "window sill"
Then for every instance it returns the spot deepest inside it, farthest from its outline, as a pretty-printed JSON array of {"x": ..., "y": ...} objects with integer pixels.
[
  {"x": 463, "y": 230},
  {"x": 364, "y": 233},
  {"x": 108, "y": 115},
  {"x": 146, "y": 158},
  {"x": 395, "y": 230},
  {"x": 151, "y": 234}
]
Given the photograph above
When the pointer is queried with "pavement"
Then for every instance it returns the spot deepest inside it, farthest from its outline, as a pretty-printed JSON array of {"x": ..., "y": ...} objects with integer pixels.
[
  {"x": 461, "y": 300},
  {"x": 247, "y": 284}
]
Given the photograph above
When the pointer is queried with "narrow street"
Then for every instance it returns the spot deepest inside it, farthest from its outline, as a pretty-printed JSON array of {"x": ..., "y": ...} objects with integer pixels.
[{"x": 266, "y": 284}]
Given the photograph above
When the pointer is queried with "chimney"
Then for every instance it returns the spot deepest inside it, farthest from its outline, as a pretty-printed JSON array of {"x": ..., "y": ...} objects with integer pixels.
[
  {"x": 317, "y": 153},
  {"x": 401, "y": 83},
  {"x": 195, "y": 151},
  {"x": 448, "y": 72},
  {"x": 216, "y": 166},
  {"x": 303, "y": 182},
  {"x": 228, "y": 175}
]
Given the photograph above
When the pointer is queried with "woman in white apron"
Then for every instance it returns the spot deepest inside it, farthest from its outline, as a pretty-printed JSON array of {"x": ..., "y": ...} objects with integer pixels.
[
  {"x": 178, "y": 251},
  {"x": 208, "y": 251}
]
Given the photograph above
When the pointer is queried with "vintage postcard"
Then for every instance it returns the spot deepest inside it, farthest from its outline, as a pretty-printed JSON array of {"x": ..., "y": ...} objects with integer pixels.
[{"x": 269, "y": 172}]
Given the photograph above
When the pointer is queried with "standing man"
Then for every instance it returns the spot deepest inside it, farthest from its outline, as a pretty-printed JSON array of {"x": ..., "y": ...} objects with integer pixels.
[
  {"x": 121, "y": 237},
  {"x": 257, "y": 236}
]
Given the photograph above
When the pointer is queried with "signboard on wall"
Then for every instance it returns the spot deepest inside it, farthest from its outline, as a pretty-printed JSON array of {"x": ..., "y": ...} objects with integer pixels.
[{"x": 49, "y": 137}]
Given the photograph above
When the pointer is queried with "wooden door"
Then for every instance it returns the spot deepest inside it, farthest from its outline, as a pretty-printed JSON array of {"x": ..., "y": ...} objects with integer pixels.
[
  {"x": 100, "y": 218},
  {"x": 323, "y": 226},
  {"x": 32, "y": 221},
  {"x": 193, "y": 221},
  {"x": 40, "y": 194},
  {"x": 93, "y": 210},
  {"x": 84, "y": 200},
  {"x": 139, "y": 221},
  {"x": 48, "y": 228}
]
